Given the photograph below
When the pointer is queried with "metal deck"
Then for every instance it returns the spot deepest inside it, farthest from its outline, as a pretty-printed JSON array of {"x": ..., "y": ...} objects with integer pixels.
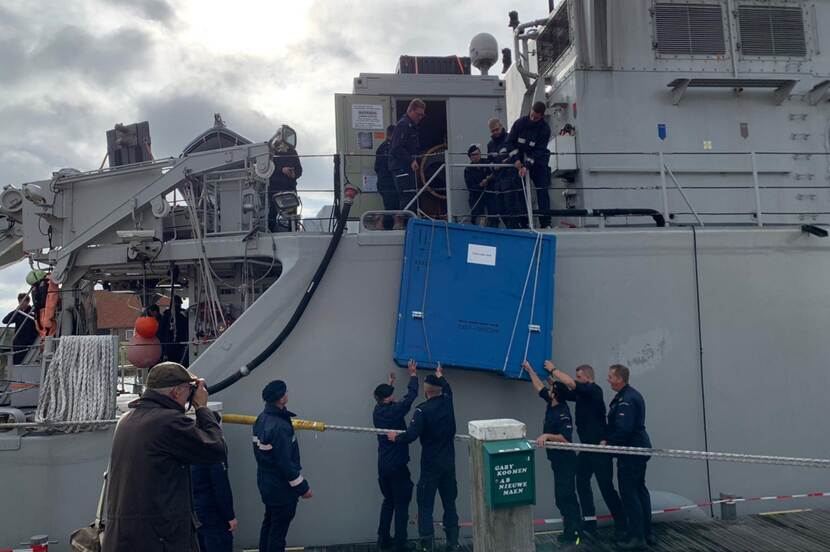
[{"x": 797, "y": 531}]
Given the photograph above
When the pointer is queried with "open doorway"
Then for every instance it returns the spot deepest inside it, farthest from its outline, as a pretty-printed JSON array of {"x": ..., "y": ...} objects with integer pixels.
[{"x": 432, "y": 134}]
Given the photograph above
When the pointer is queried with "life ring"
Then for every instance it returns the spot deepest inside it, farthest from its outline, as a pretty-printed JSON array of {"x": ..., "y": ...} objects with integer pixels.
[{"x": 433, "y": 202}]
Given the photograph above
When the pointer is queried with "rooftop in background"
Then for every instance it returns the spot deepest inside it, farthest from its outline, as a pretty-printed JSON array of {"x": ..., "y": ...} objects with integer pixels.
[{"x": 116, "y": 311}]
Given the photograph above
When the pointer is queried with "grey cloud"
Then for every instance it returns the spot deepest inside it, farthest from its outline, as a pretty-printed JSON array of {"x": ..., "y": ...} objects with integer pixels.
[
  {"x": 154, "y": 10},
  {"x": 105, "y": 57},
  {"x": 12, "y": 59},
  {"x": 177, "y": 119}
]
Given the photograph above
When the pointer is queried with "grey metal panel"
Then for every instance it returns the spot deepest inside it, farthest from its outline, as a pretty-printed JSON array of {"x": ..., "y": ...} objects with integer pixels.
[
  {"x": 765, "y": 312},
  {"x": 51, "y": 485},
  {"x": 689, "y": 29},
  {"x": 359, "y": 160},
  {"x": 428, "y": 85},
  {"x": 776, "y": 30}
]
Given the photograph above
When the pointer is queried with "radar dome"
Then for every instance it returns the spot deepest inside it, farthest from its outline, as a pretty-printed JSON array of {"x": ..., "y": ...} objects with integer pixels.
[{"x": 484, "y": 51}]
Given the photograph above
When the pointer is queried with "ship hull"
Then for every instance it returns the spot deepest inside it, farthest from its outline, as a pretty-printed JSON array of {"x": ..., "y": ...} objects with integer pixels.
[{"x": 741, "y": 369}]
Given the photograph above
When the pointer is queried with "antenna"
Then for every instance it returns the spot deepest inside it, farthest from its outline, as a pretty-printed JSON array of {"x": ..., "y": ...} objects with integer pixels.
[{"x": 484, "y": 52}]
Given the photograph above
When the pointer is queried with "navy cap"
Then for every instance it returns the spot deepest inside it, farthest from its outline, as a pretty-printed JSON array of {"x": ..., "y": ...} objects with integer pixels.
[
  {"x": 473, "y": 148},
  {"x": 274, "y": 391},
  {"x": 432, "y": 379},
  {"x": 384, "y": 390}
]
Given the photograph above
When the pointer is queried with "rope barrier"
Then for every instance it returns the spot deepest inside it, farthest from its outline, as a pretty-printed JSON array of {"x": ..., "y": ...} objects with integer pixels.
[{"x": 311, "y": 425}]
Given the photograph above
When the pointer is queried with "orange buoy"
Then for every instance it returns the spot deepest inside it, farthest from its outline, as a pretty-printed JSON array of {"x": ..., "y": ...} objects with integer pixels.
[
  {"x": 143, "y": 352},
  {"x": 146, "y": 326}
]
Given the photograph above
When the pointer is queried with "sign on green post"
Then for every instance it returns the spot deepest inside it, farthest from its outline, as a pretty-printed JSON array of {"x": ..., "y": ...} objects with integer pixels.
[{"x": 510, "y": 473}]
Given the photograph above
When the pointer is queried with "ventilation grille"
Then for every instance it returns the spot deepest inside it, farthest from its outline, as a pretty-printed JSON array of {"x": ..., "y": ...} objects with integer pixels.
[
  {"x": 554, "y": 39},
  {"x": 689, "y": 29},
  {"x": 772, "y": 31}
]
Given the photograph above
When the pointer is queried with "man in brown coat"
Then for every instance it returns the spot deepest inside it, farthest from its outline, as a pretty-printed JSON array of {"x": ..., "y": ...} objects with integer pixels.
[{"x": 149, "y": 504}]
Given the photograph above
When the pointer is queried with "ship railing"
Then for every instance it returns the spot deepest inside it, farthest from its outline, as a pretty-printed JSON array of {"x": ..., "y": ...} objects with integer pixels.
[{"x": 751, "y": 188}]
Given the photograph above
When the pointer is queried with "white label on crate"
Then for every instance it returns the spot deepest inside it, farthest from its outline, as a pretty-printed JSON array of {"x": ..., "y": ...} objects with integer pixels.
[
  {"x": 481, "y": 254},
  {"x": 367, "y": 117}
]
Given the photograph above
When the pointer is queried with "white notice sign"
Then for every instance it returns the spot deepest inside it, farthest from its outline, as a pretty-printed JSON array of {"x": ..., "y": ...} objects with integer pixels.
[
  {"x": 481, "y": 254},
  {"x": 367, "y": 116},
  {"x": 370, "y": 183}
]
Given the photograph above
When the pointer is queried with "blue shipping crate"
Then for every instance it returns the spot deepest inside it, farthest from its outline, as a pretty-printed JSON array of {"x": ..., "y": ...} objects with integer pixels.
[{"x": 467, "y": 295}]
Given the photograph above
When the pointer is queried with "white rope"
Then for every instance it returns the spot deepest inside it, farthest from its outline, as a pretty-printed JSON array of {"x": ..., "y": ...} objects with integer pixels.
[
  {"x": 533, "y": 300},
  {"x": 424, "y": 298},
  {"x": 536, "y": 244},
  {"x": 80, "y": 382}
]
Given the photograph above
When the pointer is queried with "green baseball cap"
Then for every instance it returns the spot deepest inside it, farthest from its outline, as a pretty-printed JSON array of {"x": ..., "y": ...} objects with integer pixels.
[{"x": 169, "y": 374}]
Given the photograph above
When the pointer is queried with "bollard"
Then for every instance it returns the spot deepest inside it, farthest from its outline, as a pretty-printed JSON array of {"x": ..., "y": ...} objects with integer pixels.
[
  {"x": 728, "y": 511},
  {"x": 503, "y": 486}
]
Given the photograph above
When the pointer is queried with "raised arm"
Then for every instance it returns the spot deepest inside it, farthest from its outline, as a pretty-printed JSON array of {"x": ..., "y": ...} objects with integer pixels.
[
  {"x": 439, "y": 373},
  {"x": 538, "y": 384},
  {"x": 569, "y": 382},
  {"x": 411, "y": 389}
]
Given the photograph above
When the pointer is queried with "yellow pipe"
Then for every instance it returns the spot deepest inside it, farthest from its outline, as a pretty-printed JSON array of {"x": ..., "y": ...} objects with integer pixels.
[
  {"x": 238, "y": 419},
  {"x": 296, "y": 422}
]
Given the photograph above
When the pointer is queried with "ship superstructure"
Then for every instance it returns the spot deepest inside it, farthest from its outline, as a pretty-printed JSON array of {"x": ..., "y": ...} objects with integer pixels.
[{"x": 690, "y": 178}]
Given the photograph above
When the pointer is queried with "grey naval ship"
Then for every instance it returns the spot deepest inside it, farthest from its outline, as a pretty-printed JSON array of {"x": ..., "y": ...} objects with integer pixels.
[{"x": 690, "y": 196}]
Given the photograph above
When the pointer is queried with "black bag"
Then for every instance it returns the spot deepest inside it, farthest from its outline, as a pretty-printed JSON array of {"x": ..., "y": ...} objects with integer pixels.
[{"x": 90, "y": 539}]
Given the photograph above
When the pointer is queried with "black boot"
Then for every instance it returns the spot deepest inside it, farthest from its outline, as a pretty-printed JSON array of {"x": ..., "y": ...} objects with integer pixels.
[
  {"x": 425, "y": 544},
  {"x": 452, "y": 539},
  {"x": 634, "y": 543},
  {"x": 589, "y": 527}
]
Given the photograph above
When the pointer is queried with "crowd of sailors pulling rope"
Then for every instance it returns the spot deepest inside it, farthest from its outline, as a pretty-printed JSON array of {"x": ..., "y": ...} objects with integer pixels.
[{"x": 146, "y": 494}]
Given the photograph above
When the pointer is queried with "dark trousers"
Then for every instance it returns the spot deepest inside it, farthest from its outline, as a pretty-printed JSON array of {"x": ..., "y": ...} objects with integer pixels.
[
  {"x": 406, "y": 184},
  {"x": 564, "y": 492},
  {"x": 481, "y": 202},
  {"x": 631, "y": 477},
  {"x": 442, "y": 482},
  {"x": 389, "y": 195},
  {"x": 396, "y": 488},
  {"x": 275, "y": 526},
  {"x": 602, "y": 467},
  {"x": 540, "y": 177},
  {"x": 510, "y": 200},
  {"x": 215, "y": 538}
]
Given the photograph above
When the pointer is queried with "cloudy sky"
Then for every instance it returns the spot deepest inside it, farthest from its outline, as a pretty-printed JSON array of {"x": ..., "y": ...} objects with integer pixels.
[{"x": 70, "y": 70}]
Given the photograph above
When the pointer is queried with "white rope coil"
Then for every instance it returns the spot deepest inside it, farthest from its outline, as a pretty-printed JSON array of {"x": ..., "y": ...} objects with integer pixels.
[{"x": 80, "y": 383}]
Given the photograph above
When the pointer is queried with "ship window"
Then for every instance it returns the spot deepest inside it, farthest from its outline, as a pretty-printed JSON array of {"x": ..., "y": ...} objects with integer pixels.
[
  {"x": 555, "y": 39},
  {"x": 772, "y": 31},
  {"x": 689, "y": 29}
]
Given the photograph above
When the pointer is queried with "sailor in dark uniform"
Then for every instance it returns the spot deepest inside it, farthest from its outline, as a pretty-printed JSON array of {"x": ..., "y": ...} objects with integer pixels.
[
  {"x": 386, "y": 181},
  {"x": 528, "y": 148},
  {"x": 434, "y": 423},
  {"x": 478, "y": 181},
  {"x": 558, "y": 427},
  {"x": 277, "y": 455},
  {"x": 287, "y": 170},
  {"x": 403, "y": 154},
  {"x": 592, "y": 428},
  {"x": 509, "y": 201},
  {"x": 393, "y": 459},
  {"x": 627, "y": 428}
]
